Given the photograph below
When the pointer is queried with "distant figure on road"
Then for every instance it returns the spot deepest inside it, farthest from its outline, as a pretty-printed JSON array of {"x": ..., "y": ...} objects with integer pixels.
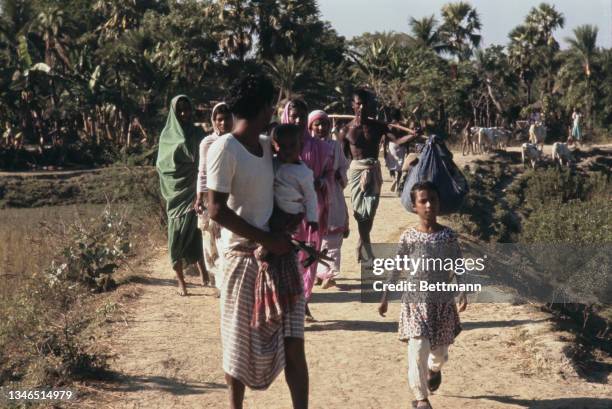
[{"x": 576, "y": 126}]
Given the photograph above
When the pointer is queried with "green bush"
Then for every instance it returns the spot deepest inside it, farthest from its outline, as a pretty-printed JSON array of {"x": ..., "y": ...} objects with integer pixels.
[
  {"x": 41, "y": 339},
  {"x": 580, "y": 222},
  {"x": 553, "y": 186},
  {"x": 94, "y": 252},
  {"x": 44, "y": 339},
  {"x": 484, "y": 213}
]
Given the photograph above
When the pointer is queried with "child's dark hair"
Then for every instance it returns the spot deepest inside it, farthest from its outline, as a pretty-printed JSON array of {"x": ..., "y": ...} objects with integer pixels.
[
  {"x": 249, "y": 95},
  {"x": 423, "y": 185},
  {"x": 223, "y": 110},
  {"x": 285, "y": 131}
]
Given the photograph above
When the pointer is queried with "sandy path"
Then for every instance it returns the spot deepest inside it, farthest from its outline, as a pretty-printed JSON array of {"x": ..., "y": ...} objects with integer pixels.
[{"x": 170, "y": 354}]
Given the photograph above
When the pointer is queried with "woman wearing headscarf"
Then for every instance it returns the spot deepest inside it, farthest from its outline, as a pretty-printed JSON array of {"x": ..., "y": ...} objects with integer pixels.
[
  {"x": 177, "y": 166},
  {"x": 317, "y": 155},
  {"x": 222, "y": 122},
  {"x": 335, "y": 181}
]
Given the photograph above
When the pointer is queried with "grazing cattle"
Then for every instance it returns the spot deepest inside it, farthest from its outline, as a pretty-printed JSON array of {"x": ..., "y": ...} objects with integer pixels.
[
  {"x": 530, "y": 152},
  {"x": 484, "y": 139},
  {"x": 537, "y": 135},
  {"x": 562, "y": 154},
  {"x": 503, "y": 137},
  {"x": 491, "y": 138}
]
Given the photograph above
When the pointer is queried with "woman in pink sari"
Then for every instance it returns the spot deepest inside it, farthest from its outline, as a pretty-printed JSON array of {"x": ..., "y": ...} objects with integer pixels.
[
  {"x": 336, "y": 229},
  {"x": 318, "y": 156}
]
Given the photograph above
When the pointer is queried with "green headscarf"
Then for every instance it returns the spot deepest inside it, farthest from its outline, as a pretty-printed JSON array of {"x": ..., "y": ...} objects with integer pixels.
[{"x": 177, "y": 162}]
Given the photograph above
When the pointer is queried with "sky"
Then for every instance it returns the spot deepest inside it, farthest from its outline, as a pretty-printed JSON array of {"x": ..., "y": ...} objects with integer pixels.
[{"x": 498, "y": 17}]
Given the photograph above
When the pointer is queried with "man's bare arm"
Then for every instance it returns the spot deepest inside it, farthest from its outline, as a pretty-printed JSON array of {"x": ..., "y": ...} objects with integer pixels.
[
  {"x": 226, "y": 217},
  {"x": 403, "y": 139}
]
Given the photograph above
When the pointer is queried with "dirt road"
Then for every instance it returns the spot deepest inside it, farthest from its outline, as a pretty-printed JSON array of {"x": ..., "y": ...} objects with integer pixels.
[{"x": 169, "y": 354}]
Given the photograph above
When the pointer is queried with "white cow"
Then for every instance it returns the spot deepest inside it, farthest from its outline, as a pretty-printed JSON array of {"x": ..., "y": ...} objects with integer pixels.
[
  {"x": 562, "y": 154},
  {"x": 484, "y": 141},
  {"x": 537, "y": 135},
  {"x": 530, "y": 151},
  {"x": 492, "y": 138}
]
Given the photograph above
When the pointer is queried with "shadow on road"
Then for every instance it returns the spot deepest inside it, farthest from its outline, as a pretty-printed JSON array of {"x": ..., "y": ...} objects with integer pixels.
[
  {"x": 561, "y": 403},
  {"x": 116, "y": 382},
  {"x": 351, "y": 325}
]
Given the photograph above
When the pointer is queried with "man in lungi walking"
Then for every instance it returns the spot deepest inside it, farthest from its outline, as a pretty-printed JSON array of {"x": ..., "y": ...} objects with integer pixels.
[
  {"x": 241, "y": 199},
  {"x": 362, "y": 137}
]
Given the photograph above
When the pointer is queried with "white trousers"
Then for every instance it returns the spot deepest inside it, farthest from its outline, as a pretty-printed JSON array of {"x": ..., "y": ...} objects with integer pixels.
[
  {"x": 333, "y": 244},
  {"x": 422, "y": 358}
]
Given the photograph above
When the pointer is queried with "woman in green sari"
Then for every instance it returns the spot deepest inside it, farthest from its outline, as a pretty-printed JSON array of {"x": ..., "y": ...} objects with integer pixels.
[{"x": 177, "y": 166}]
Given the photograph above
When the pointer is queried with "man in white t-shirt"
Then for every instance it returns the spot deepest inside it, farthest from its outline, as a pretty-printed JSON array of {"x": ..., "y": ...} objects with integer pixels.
[{"x": 241, "y": 199}]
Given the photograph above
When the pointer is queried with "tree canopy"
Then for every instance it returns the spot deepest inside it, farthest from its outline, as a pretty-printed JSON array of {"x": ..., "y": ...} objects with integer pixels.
[{"x": 73, "y": 70}]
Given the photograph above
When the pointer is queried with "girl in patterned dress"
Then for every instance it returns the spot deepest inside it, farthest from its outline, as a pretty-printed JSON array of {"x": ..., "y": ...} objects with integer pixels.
[{"x": 429, "y": 321}]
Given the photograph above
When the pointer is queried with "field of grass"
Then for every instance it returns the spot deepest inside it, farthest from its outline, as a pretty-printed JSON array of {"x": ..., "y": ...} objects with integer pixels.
[
  {"x": 30, "y": 237},
  {"x": 115, "y": 184},
  {"x": 52, "y": 310}
]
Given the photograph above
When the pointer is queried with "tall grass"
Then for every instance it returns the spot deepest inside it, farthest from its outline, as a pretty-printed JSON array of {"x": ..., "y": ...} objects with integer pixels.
[
  {"x": 51, "y": 258},
  {"x": 30, "y": 238}
]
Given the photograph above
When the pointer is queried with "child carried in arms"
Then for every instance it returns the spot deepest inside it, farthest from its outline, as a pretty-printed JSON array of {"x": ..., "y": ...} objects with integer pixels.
[{"x": 279, "y": 283}]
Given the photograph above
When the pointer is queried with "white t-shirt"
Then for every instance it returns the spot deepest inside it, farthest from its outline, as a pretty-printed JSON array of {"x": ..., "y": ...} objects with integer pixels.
[
  {"x": 204, "y": 146},
  {"x": 294, "y": 190},
  {"x": 249, "y": 180}
]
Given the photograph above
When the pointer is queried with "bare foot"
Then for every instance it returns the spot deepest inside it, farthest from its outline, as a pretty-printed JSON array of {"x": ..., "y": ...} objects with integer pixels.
[
  {"x": 358, "y": 253},
  {"x": 327, "y": 283},
  {"x": 308, "y": 315},
  {"x": 423, "y": 404},
  {"x": 182, "y": 288}
]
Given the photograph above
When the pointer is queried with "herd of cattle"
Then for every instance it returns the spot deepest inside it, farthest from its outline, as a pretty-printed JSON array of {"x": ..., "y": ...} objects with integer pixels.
[{"x": 479, "y": 140}]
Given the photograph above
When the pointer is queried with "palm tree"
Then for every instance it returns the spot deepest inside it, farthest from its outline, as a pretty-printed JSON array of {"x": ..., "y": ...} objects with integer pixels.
[
  {"x": 286, "y": 71},
  {"x": 459, "y": 30},
  {"x": 522, "y": 52},
  {"x": 237, "y": 17},
  {"x": 545, "y": 19},
  {"x": 425, "y": 32},
  {"x": 584, "y": 47}
]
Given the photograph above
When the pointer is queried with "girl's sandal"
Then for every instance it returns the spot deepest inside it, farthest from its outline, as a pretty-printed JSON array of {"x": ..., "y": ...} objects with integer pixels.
[
  {"x": 434, "y": 380},
  {"x": 427, "y": 405}
]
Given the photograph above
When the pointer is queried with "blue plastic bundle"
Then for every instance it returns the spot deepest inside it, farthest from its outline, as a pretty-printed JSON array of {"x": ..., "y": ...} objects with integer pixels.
[{"x": 436, "y": 165}]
